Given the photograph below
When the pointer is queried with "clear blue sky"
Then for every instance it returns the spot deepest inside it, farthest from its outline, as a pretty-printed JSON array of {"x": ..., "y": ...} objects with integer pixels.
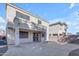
[{"x": 65, "y": 12}]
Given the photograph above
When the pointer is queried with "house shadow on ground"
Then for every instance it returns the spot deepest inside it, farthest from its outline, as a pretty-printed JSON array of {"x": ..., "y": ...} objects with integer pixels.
[{"x": 74, "y": 53}]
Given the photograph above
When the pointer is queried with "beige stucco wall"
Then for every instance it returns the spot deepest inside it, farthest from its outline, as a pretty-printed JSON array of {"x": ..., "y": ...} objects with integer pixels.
[
  {"x": 10, "y": 36},
  {"x": 11, "y": 13},
  {"x": 54, "y": 29},
  {"x": 57, "y": 29},
  {"x": 44, "y": 23}
]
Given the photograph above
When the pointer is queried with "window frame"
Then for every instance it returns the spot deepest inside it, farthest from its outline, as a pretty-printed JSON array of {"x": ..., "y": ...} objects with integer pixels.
[{"x": 23, "y": 34}]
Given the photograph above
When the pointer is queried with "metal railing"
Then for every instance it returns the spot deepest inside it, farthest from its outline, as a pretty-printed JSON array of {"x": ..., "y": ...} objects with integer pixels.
[{"x": 32, "y": 26}]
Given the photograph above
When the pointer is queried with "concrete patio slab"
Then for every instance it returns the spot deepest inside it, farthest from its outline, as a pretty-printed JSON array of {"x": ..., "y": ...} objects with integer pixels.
[{"x": 41, "y": 49}]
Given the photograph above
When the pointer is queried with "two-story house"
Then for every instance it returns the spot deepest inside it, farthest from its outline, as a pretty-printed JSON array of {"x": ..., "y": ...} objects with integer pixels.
[
  {"x": 57, "y": 31},
  {"x": 22, "y": 26}
]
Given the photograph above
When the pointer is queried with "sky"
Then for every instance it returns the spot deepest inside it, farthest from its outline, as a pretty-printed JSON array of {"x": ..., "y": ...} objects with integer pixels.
[
  {"x": 51, "y": 12},
  {"x": 2, "y": 16}
]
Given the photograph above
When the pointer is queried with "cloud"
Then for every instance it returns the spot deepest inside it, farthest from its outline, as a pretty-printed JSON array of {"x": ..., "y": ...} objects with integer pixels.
[
  {"x": 77, "y": 19},
  {"x": 2, "y": 20},
  {"x": 77, "y": 27},
  {"x": 2, "y": 27},
  {"x": 71, "y": 21},
  {"x": 74, "y": 14},
  {"x": 61, "y": 20},
  {"x": 71, "y": 5},
  {"x": 56, "y": 20}
]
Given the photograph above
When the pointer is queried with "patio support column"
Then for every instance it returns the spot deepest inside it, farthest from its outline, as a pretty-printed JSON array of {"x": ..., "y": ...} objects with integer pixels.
[
  {"x": 39, "y": 37},
  {"x": 30, "y": 34},
  {"x": 16, "y": 26},
  {"x": 16, "y": 36},
  {"x": 47, "y": 33}
]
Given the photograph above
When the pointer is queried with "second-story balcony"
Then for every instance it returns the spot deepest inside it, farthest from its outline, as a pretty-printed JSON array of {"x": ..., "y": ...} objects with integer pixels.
[
  {"x": 32, "y": 26},
  {"x": 28, "y": 25}
]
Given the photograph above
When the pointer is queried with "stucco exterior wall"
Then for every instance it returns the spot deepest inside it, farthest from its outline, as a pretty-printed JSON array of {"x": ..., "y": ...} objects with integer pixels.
[
  {"x": 10, "y": 11},
  {"x": 11, "y": 14},
  {"x": 10, "y": 36},
  {"x": 56, "y": 29}
]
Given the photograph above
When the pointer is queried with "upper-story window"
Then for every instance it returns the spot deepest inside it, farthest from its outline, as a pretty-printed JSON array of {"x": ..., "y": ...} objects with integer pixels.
[
  {"x": 39, "y": 22},
  {"x": 55, "y": 34},
  {"x": 18, "y": 14}
]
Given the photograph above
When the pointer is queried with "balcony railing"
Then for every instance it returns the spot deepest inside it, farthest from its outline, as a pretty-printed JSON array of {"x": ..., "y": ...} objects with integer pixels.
[{"x": 32, "y": 26}]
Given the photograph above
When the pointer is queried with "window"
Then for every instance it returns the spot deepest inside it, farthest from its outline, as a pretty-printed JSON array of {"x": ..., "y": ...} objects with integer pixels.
[
  {"x": 55, "y": 34},
  {"x": 18, "y": 14},
  {"x": 49, "y": 34},
  {"x": 39, "y": 22},
  {"x": 23, "y": 34},
  {"x": 60, "y": 34}
]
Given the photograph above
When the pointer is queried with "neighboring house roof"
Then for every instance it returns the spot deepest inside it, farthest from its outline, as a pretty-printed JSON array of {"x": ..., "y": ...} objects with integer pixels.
[
  {"x": 60, "y": 23},
  {"x": 14, "y": 6}
]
